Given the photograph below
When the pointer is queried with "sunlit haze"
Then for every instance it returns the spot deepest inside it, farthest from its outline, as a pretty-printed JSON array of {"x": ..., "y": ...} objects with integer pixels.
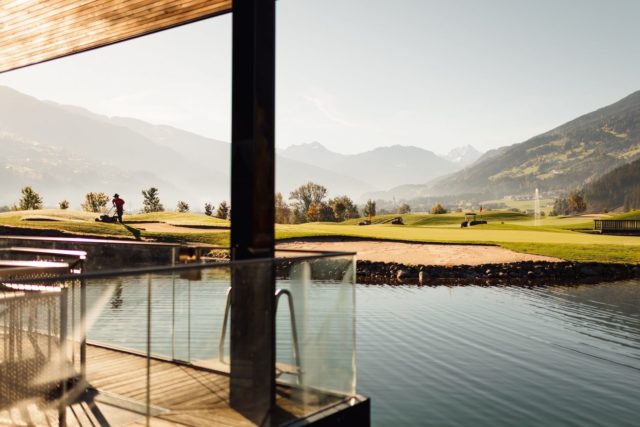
[{"x": 359, "y": 74}]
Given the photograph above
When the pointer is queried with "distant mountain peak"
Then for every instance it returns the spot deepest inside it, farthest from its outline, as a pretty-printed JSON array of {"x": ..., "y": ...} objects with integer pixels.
[
  {"x": 463, "y": 155},
  {"x": 306, "y": 146}
]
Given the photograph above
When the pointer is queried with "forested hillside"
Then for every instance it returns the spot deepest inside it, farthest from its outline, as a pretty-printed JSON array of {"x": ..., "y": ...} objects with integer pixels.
[{"x": 618, "y": 188}]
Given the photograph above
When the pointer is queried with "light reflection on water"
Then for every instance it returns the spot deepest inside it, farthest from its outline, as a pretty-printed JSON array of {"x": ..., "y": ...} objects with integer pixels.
[
  {"x": 500, "y": 356},
  {"x": 444, "y": 356}
]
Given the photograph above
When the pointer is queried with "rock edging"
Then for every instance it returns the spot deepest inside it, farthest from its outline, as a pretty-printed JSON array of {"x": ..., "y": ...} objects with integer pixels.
[{"x": 527, "y": 272}]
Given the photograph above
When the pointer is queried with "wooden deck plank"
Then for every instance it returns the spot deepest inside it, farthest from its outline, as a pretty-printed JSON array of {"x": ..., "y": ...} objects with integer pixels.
[{"x": 180, "y": 394}]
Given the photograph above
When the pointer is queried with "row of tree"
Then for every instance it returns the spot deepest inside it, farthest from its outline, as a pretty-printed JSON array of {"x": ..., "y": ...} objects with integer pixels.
[
  {"x": 98, "y": 202},
  {"x": 308, "y": 203}
]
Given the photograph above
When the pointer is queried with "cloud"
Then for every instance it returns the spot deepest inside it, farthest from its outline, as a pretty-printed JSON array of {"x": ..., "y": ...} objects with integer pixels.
[{"x": 325, "y": 104}]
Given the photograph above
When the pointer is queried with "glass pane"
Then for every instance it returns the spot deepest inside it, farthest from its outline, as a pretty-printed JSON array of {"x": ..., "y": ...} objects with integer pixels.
[{"x": 316, "y": 353}]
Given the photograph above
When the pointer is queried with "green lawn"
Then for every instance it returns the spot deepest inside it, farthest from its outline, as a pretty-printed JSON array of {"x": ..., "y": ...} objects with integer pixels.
[
  {"x": 177, "y": 218},
  {"x": 83, "y": 223},
  {"x": 562, "y": 237},
  {"x": 628, "y": 215},
  {"x": 546, "y": 205}
]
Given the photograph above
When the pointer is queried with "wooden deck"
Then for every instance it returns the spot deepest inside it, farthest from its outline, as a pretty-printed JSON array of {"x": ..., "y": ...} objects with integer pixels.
[{"x": 180, "y": 395}]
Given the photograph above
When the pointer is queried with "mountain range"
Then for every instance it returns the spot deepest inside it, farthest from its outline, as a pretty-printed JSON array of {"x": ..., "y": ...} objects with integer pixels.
[
  {"x": 384, "y": 167},
  {"x": 564, "y": 158},
  {"x": 67, "y": 151}
]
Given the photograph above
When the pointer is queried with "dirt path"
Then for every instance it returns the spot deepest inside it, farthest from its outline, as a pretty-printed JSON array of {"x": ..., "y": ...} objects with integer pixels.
[{"x": 419, "y": 253}]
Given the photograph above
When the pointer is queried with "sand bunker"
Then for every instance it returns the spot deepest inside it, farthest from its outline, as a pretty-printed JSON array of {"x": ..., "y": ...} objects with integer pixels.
[{"x": 418, "y": 253}]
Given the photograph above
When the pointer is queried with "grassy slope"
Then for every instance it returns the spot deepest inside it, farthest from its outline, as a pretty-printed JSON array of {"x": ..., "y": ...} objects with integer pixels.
[
  {"x": 84, "y": 223},
  {"x": 177, "y": 218},
  {"x": 628, "y": 215},
  {"x": 555, "y": 236}
]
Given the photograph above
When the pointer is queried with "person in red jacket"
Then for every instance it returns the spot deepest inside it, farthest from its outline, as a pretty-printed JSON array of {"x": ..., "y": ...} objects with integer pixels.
[{"x": 118, "y": 203}]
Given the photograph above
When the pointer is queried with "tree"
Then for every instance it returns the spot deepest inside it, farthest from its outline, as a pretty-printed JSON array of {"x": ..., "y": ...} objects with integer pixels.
[
  {"x": 314, "y": 212},
  {"x": 343, "y": 208},
  {"x": 404, "y": 208},
  {"x": 297, "y": 216},
  {"x": 319, "y": 212},
  {"x": 576, "y": 203},
  {"x": 182, "y": 206},
  {"x": 151, "y": 202},
  {"x": 632, "y": 200},
  {"x": 560, "y": 207},
  {"x": 283, "y": 211},
  {"x": 208, "y": 209},
  {"x": 64, "y": 204},
  {"x": 307, "y": 194},
  {"x": 438, "y": 209},
  {"x": 369, "y": 209},
  {"x": 95, "y": 202},
  {"x": 30, "y": 200},
  {"x": 223, "y": 210}
]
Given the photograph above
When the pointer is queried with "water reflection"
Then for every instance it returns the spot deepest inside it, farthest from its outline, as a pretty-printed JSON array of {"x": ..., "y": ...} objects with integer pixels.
[
  {"x": 500, "y": 356},
  {"x": 116, "y": 300},
  {"x": 441, "y": 356}
]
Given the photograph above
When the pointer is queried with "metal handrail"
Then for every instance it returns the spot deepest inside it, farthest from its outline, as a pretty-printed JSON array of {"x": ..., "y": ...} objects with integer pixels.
[
  {"x": 187, "y": 267},
  {"x": 294, "y": 332}
]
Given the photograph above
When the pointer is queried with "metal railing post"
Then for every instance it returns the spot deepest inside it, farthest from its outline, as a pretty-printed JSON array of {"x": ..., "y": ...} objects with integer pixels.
[
  {"x": 148, "y": 350},
  {"x": 64, "y": 355},
  {"x": 173, "y": 304},
  {"x": 83, "y": 329},
  {"x": 189, "y": 324}
]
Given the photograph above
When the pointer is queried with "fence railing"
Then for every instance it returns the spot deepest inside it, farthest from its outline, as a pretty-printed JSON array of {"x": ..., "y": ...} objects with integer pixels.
[{"x": 617, "y": 225}]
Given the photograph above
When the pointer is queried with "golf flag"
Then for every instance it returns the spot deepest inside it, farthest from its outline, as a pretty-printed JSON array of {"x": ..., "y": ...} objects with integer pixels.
[{"x": 480, "y": 208}]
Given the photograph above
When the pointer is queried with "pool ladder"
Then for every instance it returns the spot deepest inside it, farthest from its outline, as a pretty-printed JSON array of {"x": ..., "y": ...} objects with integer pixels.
[{"x": 281, "y": 368}]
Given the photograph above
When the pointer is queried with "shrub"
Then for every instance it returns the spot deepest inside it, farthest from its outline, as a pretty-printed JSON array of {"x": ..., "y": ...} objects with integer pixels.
[
  {"x": 438, "y": 209},
  {"x": 208, "y": 209},
  {"x": 63, "y": 204},
  {"x": 404, "y": 209},
  {"x": 182, "y": 206}
]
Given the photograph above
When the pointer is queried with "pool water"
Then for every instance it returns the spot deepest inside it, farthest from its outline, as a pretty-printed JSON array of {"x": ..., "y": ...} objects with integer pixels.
[
  {"x": 441, "y": 356},
  {"x": 472, "y": 356}
]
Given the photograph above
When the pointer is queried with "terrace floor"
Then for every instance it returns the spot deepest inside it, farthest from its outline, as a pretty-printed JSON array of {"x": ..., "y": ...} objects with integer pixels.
[{"x": 180, "y": 395}]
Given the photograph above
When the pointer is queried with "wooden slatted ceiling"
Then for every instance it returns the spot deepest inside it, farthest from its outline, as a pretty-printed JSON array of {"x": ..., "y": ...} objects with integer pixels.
[{"x": 33, "y": 31}]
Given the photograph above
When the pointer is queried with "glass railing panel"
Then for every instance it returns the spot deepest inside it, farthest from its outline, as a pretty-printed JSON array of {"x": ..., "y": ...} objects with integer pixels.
[
  {"x": 40, "y": 353},
  {"x": 318, "y": 359},
  {"x": 157, "y": 344}
]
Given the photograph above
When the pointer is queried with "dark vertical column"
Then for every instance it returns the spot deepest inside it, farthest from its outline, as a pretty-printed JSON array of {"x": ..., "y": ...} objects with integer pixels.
[{"x": 252, "y": 202}]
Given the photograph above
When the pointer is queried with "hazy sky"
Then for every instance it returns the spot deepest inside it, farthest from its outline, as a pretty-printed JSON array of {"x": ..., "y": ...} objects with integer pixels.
[{"x": 356, "y": 74}]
